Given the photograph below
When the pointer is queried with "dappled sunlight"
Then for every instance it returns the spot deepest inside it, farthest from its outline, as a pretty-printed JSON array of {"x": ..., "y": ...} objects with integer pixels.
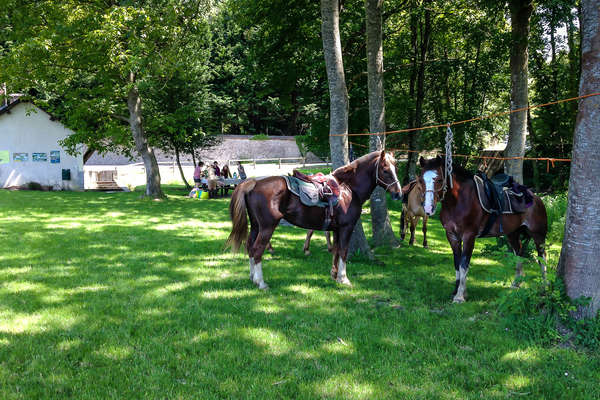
[
  {"x": 339, "y": 346},
  {"x": 115, "y": 352},
  {"x": 145, "y": 293},
  {"x": 270, "y": 340},
  {"x": 345, "y": 386}
]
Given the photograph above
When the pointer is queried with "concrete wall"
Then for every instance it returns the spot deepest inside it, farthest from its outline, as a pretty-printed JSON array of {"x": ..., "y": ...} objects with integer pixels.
[{"x": 28, "y": 129}]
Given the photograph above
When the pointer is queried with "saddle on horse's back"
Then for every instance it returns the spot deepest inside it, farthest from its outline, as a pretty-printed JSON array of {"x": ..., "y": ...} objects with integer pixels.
[
  {"x": 501, "y": 194},
  {"x": 315, "y": 191}
]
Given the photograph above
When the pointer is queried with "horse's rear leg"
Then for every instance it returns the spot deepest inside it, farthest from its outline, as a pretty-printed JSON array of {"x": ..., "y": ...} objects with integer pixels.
[
  {"x": 514, "y": 239},
  {"x": 414, "y": 220},
  {"x": 540, "y": 246},
  {"x": 250, "y": 245},
  {"x": 264, "y": 236},
  {"x": 307, "y": 242},
  {"x": 425, "y": 231},
  {"x": 329, "y": 244},
  {"x": 336, "y": 256}
]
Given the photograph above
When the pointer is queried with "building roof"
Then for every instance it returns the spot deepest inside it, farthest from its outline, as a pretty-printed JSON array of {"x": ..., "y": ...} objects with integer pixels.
[{"x": 231, "y": 147}]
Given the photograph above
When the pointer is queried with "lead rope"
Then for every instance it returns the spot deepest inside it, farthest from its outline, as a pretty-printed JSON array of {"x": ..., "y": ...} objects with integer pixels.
[{"x": 448, "y": 164}]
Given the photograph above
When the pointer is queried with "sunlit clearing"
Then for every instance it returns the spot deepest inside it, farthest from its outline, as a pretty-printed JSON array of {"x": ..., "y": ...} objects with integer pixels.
[
  {"x": 516, "y": 381},
  {"x": 521, "y": 355}
]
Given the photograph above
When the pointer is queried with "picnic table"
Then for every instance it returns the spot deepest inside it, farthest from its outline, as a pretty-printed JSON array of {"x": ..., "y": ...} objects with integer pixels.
[{"x": 224, "y": 184}]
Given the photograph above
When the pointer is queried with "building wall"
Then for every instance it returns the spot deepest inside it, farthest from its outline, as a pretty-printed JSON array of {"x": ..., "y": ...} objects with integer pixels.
[{"x": 28, "y": 129}]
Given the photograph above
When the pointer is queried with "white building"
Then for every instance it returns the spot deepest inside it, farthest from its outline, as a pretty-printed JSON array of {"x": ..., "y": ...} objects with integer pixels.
[{"x": 30, "y": 151}]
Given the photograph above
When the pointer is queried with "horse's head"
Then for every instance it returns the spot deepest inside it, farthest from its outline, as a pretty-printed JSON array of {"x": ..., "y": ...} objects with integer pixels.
[
  {"x": 432, "y": 180},
  {"x": 385, "y": 175}
]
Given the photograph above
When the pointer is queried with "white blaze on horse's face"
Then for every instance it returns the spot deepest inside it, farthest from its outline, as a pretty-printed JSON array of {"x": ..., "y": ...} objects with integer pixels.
[{"x": 429, "y": 178}]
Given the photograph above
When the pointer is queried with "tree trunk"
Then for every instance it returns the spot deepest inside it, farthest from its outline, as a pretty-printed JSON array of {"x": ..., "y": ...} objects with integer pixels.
[
  {"x": 187, "y": 185},
  {"x": 134, "y": 103},
  {"x": 411, "y": 162},
  {"x": 520, "y": 11},
  {"x": 413, "y": 143},
  {"x": 380, "y": 221},
  {"x": 338, "y": 108},
  {"x": 578, "y": 264}
]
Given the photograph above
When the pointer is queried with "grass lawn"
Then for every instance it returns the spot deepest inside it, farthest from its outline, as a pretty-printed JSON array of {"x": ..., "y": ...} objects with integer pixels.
[{"x": 107, "y": 296}]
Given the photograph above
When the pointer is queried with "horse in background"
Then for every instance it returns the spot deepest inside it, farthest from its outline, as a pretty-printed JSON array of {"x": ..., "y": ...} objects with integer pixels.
[
  {"x": 309, "y": 236},
  {"x": 413, "y": 196},
  {"x": 265, "y": 202},
  {"x": 464, "y": 219}
]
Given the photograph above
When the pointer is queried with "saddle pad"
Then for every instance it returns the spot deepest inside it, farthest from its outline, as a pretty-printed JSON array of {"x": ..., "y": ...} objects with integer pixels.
[
  {"x": 512, "y": 202},
  {"x": 307, "y": 192}
]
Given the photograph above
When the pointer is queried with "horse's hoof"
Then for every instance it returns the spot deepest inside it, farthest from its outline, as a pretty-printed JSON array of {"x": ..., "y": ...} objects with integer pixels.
[
  {"x": 263, "y": 286},
  {"x": 307, "y": 252},
  {"x": 457, "y": 299},
  {"x": 344, "y": 281}
]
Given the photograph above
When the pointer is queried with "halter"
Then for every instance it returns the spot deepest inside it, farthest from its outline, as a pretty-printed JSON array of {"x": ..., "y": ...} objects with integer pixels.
[{"x": 379, "y": 180}]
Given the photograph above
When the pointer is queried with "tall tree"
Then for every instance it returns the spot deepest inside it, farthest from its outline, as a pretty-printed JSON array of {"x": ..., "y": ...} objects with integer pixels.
[
  {"x": 102, "y": 57},
  {"x": 578, "y": 263},
  {"x": 338, "y": 106},
  {"x": 380, "y": 220},
  {"x": 520, "y": 11}
]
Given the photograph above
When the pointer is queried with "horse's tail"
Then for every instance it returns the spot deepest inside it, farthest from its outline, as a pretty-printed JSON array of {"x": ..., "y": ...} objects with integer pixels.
[{"x": 238, "y": 214}]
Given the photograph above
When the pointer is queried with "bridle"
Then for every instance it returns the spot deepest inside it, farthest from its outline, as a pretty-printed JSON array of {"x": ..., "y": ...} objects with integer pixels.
[
  {"x": 379, "y": 180},
  {"x": 443, "y": 188}
]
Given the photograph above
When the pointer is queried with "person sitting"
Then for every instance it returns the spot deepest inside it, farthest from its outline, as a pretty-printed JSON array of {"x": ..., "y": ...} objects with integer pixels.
[
  {"x": 198, "y": 174},
  {"x": 217, "y": 169},
  {"x": 241, "y": 171},
  {"x": 225, "y": 173}
]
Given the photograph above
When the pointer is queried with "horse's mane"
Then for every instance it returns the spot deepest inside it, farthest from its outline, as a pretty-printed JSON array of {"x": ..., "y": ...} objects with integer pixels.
[
  {"x": 461, "y": 173},
  {"x": 348, "y": 171}
]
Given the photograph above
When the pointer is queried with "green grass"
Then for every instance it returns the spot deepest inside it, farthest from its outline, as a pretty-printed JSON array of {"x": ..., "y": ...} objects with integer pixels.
[{"x": 107, "y": 296}]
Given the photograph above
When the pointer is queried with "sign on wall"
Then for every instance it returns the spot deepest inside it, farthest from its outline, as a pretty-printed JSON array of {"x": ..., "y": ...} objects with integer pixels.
[
  {"x": 55, "y": 156},
  {"x": 39, "y": 157},
  {"x": 20, "y": 157},
  {"x": 4, "y": 157}
]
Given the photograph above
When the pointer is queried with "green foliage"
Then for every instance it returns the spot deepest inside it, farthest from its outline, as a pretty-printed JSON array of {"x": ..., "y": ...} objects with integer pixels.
[{"x": 543, "y": 314}]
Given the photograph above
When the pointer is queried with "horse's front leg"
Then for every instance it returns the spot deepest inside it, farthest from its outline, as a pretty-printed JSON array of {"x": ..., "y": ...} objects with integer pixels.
[
  {"x": 307, "y": 242},
  {"x": 456, "y": 245},
  {"x": 465, "y": 259},
  {"x": 329, "y": 244},
  {"x": 342, "y": 250}
]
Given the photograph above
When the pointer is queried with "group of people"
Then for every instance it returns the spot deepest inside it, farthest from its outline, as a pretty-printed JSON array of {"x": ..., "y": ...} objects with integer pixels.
[{"x": 215, "y": 175}]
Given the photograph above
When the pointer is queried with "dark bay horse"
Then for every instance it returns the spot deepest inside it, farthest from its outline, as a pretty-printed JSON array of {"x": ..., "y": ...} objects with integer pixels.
[
  {"x": 268, "y": 200},
  {"x": 464, "y": 219}
]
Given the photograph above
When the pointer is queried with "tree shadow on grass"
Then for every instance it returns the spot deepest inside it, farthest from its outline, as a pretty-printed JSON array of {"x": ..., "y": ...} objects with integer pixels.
[{"x": 119, "y": 308}]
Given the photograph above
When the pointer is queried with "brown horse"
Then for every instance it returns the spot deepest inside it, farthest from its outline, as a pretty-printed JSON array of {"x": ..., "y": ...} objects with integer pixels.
[
  {"x": 412, "y": 209},
  {"x": 268, "y": 200},
  {"x": 309, "y": 236},
  {"x": 464, "y": 219}
]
